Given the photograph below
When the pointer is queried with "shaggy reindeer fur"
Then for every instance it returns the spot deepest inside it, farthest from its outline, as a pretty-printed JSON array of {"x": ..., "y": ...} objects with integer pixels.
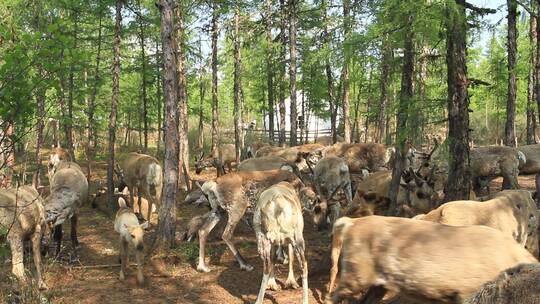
[
  {"x": 236, "y": 193},
  {"x": 226, "y": 155},
  {"x": 421, "y": 260},
  {"x": 490, "y": 162},
  {"x": 69, "y": 191},
  {"x": 532, "y": 156},
  {"x": 513, "y": 212},
  {"x": 142, "y": 174},
  {"x": 297, "y": 154},
  {"x": 515, "y": 285},
  {"x": 131, "y": 234},
  {"x": 370, "y": 156},
  {"x": 265, "y": 163},
  {"x": 23, "y": 216},
  {"x": 278, "y": 222}
]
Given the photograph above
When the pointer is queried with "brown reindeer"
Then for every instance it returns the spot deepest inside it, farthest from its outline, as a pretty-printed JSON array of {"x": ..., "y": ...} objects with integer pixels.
[
  {"x": 226, "y": 155},
  {"x": 235, "y": 194},
  {"x": 142, "y": 174}
]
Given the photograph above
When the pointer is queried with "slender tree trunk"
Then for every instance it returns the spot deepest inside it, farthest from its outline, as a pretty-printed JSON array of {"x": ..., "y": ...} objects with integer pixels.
[
  {"x": 329, "y": 77},
  {"x": 202, "y": 91},
  {"x": 283, "y": 49},
  {"x": 269, "y": 68},
  {"x": 165, "y": 235},
  {"x": 92, "y": 142},
  {"x": 40, "y": 126},
  {"x": 114, "y": 102},
  {"x": 158, "y": 98},
  {"x": 405, "y": 99},
  {"x": 459, "y": 176},
  {"x": 8, "y": 151},
  {"x": 509, "y": 130},
  {"x": 292, "y": 71},
  {"x": 345, "y": 73},
  {"x": 383, "y": 102},
  {"x": 71, "y": 88},
  {"x": 531, "y": 121},
  {"x": 537, "y": 61},
  {"x": 182, "y": 97},
  {"x": 237, "y": 75},
  {"x": 144, "y": 82},
  {"x": 215, "y": 119}
]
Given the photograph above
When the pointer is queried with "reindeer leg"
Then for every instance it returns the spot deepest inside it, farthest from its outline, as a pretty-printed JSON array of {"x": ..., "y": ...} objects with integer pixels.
[
  {"x": 266, "y": 256},
  {"x": 139, "y": 258},
  {"x": 205, "y": 230},
  {"x": 291, "y": 281},
  {"x": 36, "y": 244},
  {"x": 123, "y": 258},
  {"x": 58, "y": 234},
  {"x": 299, "y": 249},
  {"x": 139, "y": 201},
  {"x": 272, "y": 284},
  {"x": 17, "y": 257},
  {"x": 234, "y": 218},
  {"x": 373, "y": 296},
  {"x": 74, "y": 240}
]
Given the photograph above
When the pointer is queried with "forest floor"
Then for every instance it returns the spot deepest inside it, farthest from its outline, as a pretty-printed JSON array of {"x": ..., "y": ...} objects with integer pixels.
[{"x": 172, "y": 278}]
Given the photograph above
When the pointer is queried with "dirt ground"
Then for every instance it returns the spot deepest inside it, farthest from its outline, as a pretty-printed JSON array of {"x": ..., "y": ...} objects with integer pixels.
[{"x": 171, "y": 278}]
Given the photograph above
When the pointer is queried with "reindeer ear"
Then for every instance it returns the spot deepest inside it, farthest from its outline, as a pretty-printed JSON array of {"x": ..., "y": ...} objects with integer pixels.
[{"x": 144, "y": 225}]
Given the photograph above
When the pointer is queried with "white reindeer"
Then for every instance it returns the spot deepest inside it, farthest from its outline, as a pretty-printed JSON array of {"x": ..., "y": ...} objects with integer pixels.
[
  {"x": 278, "y": 222},
  {"x": 131, "y": 233}
]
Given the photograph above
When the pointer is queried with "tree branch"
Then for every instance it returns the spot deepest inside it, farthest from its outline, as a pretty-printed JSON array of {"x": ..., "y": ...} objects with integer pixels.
[
  {"x": 480, "y": 10},
  {"x": 527, "y": 8}
]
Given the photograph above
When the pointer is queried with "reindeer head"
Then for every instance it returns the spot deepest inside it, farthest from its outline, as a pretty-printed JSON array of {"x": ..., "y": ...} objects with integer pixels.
[
  {"x": 136, "y": 235},
  {"x": 202, "y": 163}
]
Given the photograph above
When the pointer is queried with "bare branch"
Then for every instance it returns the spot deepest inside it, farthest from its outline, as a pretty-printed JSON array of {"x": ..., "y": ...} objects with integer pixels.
[{"x": 482, "y": 11}]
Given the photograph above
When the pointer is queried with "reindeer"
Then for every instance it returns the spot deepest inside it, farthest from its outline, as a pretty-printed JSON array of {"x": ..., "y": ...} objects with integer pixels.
[
  {"x": 330, "y": 175},
  {"x": 69, "y": 191},
  {"x": 22, "y": 216},
  {"x": 235, "y": 194},
  {"x": 447, "y": 265},
  {"x": 142, "y": 174},
  {"x": 226, "y": 155},
  {"x": 278, "y": 222},
  {"x": 131, "y": 234},
  {"x": 57, "y": 155}
]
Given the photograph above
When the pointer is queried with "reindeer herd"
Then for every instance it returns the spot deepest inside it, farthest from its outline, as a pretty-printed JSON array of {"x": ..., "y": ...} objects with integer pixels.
[{"x": 483, "y": 250}]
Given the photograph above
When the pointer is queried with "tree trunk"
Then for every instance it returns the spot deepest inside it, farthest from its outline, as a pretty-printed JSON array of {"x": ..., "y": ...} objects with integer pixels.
[
  {"x": 459, "y": 176},
  {"x": 215, "y": 120},
  {"x": 165, "y": 234},
  {"x": 143, "y": 77},
  {"x": 537, "y": 61},
  {"x": 509, "y": 130},
  {"x": 283, "y": 49},
  {"x": 329, "y": 77},
  {"x": 92, "y": 142},
  {"x": 71, "y": 88},
  {"x": 40, "y": 125},
  {"x": 158, "y": 98},
  {"x": 383, "y": 102},
  {"x": 237, "y": 75},
  {"x": 531, "y": 123},
  {"x": 292, "y": 71},
  {"x": 345, "y": 73},
  {"x": 8, "y": 150},
  {"x": 182, "y": 97},
  {"x": 114, "y": 102},
  {"x": 269, "y": 69},
  {"x": 405, "y": 99},
  {"x": 202, "y": 91}
]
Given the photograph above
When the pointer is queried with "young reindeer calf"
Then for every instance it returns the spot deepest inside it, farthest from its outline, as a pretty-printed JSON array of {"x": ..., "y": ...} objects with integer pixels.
[
  {"x": 277, "y": 222},
  {"x": 131, "y": 233}
]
